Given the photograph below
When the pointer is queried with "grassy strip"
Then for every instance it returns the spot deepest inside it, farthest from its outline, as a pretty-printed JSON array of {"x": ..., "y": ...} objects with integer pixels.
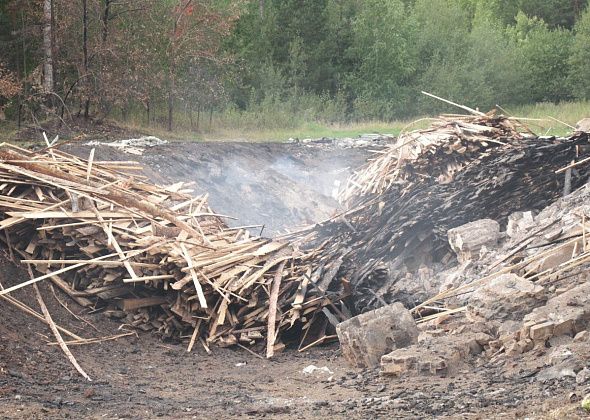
[
  {"x": 567, "y": 112},
  {"x": 544, "y": 120}
]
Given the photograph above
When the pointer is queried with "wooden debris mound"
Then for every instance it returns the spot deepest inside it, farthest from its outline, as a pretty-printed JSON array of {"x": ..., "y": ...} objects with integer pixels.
[
  {"x": 402, "y": 204},
  {"x": 451, "y": 141},
  {"x": 155, "y": 256}
]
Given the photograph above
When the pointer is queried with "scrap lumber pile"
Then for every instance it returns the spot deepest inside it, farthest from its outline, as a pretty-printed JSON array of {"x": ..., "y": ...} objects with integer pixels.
[
  {"x": 156, "y": 256},
  {"x": 402, "y": 204},
  {"x": 437, "y": 152}
]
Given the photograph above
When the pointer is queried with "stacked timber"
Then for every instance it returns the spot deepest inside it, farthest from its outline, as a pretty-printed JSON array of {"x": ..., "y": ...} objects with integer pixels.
[{"x": 156, "y": 256}]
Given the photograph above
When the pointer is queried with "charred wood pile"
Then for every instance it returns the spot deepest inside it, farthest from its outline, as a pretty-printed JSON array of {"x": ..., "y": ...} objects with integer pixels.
[
  {"x": 161, "y": 260},
  {"x": 403, "y": 203},
  {"x": 156, "y": 257}
]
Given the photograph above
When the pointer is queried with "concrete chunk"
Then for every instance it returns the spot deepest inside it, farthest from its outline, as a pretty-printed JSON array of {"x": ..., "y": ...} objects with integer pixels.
[
  {"x": 468, "y": 240},
  {"x": 367, "y": 337},
  {"x": 507, "y": 297},
  {"x": 519, "y": 222},
  {"x": 542, "y": 332},
  {"x": 564, "y": 315},
  {"x": 436, "y": 356}
]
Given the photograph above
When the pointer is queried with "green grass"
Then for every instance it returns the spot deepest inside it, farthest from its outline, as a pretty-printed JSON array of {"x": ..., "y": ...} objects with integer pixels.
[
  {"x": 308, "y": 130},
  {"x": 179, "y": 134},
  {"x": 542, "y": 118},
  {"x": 553, "y": 117},
  {"x": 8, "y": 130},
  {"x": 222, "y": 131}
]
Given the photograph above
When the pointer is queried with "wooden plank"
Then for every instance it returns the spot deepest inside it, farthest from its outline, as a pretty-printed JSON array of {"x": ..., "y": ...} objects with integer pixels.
[
  {"x": 131, "y": 304},
  {"x": 272, "y": 310},
  {"x": 148, "y": 278}
]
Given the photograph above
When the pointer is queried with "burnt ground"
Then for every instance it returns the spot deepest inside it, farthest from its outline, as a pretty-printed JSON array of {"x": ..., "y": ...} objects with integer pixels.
[
  {"x": 277, "y": 185},
  {"x": 143, "y": 377}
]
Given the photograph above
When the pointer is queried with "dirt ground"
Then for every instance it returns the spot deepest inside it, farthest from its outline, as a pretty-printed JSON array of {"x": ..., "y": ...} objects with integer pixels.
[{"x": 141, "y": 377}]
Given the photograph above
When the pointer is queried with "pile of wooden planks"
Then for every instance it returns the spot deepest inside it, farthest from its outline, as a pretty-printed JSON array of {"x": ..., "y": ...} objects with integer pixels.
[
  {"x": 454, "y": 137},
  {"x": 402, "y": 204},
  {"x": 156, "y": 256}
]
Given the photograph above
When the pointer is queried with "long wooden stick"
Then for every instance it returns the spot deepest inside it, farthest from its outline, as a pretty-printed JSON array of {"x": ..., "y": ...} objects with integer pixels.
[
  {"x": 572, "y": 165},
  {"x": 272, "y": 310},
  {"x": 56, "y": 333},
  {"x": 466, "y": 108},
  {"x": 28, "y": 310},
  {"x": 94, "y": 340}
]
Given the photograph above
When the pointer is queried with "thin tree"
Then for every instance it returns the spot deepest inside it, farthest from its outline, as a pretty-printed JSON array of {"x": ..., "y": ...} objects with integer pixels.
[{"x": 47, "y": 47}]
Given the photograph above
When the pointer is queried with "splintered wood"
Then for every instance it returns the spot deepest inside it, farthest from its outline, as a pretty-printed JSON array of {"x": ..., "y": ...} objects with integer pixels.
[
  {"x": 156, "y": 256},
  {"x": 401, "y": 205},
  {"x": 457, "y": 138}
]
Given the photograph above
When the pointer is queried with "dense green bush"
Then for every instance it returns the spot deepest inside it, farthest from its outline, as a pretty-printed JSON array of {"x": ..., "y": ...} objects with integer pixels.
[
  {"x": 579, "y": 61},
  {"x": 373, "y": 58}
]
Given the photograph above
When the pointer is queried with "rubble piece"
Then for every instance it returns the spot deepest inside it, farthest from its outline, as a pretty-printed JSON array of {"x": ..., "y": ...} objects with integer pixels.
[
  {"x": 583, "y": 376},
  {"x": 160, "y": 255},
  {"x": 507, "y": 297},
  {"x": 555, "y": 255},
  {"x": 519, "y": 222},
  {"x": 367, "y": 337},
  {"x": 467, "y": 240},
  {"x": 437, "y": 356},
  {"x": 516, "y": 347},
  {"x": 132, "y": 146},
  {"x": 555, "y": 259},
  {"x": 542, "y": 332},
  {"x": 564, "y": 315}
]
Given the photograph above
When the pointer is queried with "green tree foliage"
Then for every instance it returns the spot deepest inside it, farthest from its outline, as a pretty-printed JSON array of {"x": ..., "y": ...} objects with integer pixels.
[
  {"x": 383, "y": 45},
  {"x": 579, "y": 61},
  {"x": 556, "y": 13},
  {"x": 377, "y": 55},
  {"x": 277, "y": 60},
  {"x": 545, "y": 54}
]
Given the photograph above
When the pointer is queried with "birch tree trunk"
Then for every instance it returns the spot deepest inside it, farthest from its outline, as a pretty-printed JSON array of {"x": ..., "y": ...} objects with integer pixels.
[
  {"x": 261, "y": 8},
  {"x": 47, "y": 47},
  {"x": 85, "y": 56}
]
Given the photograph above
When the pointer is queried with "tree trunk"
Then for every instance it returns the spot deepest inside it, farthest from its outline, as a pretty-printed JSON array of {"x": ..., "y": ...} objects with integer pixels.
[
  {"x": 190, "y": 115},
  {"x": 105, "y": 20},
  {"x": 47, "y": 47},
  {"x": 198, "y": 116},
  {"x": 261, "y": 7},
  {"x": 85, "y": 56},
  {"x": 125, "y": 111},
  {"x": 170, "y": 109},
  {"x": 20, "y": 114},
  {"x": 172, "y": 76},
  {"x": 210, "y": 118},
  {"x": 147, "y": 111}
]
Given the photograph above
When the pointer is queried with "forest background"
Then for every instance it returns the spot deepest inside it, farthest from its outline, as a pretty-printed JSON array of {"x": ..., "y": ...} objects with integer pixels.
[{"x": 289, "y": 66}]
